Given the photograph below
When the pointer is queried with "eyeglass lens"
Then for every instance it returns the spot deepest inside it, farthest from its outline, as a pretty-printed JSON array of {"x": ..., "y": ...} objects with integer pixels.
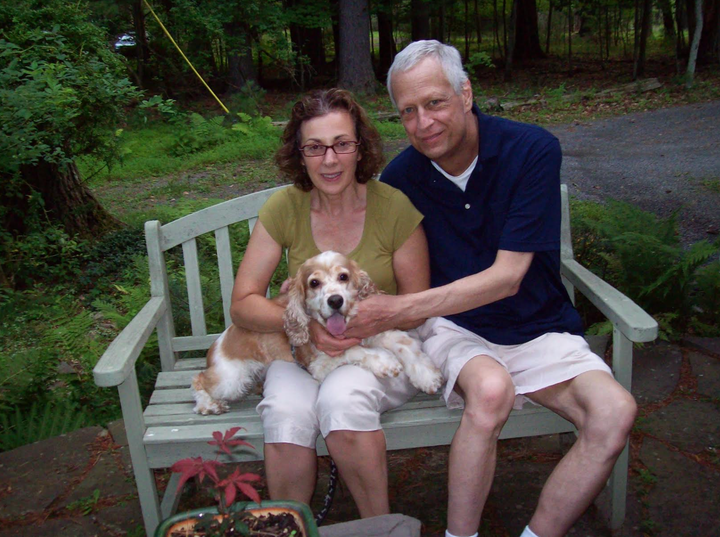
[{"x": 317, "y": 150}]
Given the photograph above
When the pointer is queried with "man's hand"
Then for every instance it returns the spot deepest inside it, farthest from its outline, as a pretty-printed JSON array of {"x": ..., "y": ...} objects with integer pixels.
[
  {"x": 376, "y": 314},
  {"x": 329, "y": 344}
]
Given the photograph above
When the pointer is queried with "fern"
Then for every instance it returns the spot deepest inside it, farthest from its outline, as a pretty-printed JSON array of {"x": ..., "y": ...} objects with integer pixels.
[{"x": 40, "y": 421}]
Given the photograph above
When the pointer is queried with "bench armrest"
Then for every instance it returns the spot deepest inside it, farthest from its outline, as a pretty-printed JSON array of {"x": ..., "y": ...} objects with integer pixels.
[
  {"x": 627, "y": 316},
  {"x": 119, "y": 359}
]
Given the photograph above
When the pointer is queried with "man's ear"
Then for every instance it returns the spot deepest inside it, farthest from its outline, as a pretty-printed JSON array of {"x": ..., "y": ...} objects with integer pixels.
[{"x": 467, "y": 95}]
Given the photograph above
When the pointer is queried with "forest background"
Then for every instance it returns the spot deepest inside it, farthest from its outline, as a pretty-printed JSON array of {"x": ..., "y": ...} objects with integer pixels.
[{"x": 104, "y": 125}]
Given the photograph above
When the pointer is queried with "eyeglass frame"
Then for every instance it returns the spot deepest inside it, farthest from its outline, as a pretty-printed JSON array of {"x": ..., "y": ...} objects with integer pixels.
[{"x": 356, "y": 144}]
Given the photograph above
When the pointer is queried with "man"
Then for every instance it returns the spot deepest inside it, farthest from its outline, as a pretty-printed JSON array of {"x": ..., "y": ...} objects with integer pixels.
[{"x": 500, "y": 323}]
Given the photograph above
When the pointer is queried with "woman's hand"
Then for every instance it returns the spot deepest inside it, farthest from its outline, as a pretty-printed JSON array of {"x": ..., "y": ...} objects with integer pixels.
[{"x": 327, "y": 343}]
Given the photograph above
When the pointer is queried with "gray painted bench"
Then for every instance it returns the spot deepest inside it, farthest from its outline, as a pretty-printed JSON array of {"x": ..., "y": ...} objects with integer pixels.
[{"x": 168, "y": 430}]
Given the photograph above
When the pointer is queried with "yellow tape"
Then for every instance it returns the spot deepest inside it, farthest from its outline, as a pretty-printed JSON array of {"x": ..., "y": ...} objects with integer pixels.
[{"x": 185, "y": 57}]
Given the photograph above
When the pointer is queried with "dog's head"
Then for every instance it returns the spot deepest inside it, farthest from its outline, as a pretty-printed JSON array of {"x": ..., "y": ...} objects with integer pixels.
[{"x": 325, "y": 288}]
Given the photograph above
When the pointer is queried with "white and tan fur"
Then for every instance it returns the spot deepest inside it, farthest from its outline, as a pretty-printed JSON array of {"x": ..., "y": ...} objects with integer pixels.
[{"x": 326, "y": 289}]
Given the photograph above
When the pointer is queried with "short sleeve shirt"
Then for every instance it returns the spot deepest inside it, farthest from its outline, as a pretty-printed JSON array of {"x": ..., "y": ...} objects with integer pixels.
[
  {"x": 511, "y": 202},
  {"x": 390, "y": 219}
]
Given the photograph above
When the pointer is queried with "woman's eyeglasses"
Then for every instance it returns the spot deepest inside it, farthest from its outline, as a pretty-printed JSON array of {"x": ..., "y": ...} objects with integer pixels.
[{"x": 341, "y": 148}]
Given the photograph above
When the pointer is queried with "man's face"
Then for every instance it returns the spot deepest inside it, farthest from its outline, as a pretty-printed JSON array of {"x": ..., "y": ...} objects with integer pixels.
[{"x": 434, "y": 116}]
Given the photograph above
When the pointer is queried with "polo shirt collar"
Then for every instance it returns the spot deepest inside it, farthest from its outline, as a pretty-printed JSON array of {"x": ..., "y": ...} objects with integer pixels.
[{"x": 488, "y": 134}]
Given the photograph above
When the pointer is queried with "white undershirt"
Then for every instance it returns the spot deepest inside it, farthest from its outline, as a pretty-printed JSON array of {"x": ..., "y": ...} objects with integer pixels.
[{"x": 460, "y": 180}]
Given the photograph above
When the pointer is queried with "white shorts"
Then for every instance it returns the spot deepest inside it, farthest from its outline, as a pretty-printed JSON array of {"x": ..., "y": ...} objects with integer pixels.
[
  {"x": 544, "y": 361},
  {"x": 295, "y": 408}
]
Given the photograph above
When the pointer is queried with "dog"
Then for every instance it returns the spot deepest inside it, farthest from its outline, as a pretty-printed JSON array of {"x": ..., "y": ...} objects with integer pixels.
[{"x": 326, "y": 288}]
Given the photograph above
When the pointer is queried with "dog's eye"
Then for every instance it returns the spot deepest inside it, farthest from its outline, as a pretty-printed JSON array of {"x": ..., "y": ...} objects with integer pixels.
[
  {"x": 343, "y": 277},
  {"x": 314, "y": 283}
]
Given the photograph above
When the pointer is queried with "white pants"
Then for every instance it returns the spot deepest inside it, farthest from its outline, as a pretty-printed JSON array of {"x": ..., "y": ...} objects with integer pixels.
[
  {"x": 542, "y": 362},
  {"x": 295, "y": 408}
]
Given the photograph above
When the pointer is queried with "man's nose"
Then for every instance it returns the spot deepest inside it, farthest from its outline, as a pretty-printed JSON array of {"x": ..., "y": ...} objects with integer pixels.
[{"x": 425, "y": 119}]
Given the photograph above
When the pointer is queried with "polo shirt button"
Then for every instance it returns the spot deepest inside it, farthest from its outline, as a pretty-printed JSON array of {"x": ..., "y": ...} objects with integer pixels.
[{"x": 467, "y": 205}]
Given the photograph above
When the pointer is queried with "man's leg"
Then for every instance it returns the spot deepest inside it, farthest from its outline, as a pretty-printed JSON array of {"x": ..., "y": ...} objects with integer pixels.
[
  {"x": 603, "y": 412},
  {"x": 489, "y": 394}
]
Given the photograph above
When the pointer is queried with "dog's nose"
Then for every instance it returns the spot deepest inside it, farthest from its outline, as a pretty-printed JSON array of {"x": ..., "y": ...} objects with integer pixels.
[{"x": 335, "y": 302}]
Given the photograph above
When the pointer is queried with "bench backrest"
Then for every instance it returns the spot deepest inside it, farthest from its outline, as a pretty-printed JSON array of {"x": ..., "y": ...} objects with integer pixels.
[{"x": 184, "y": 233}]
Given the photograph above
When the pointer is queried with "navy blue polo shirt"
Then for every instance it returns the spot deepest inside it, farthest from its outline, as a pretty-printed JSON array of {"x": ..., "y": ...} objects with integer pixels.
[{"x": 512, "y": 202}]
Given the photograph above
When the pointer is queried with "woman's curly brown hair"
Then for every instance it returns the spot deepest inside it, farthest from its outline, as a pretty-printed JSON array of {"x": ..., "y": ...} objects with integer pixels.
[{"x": 319, "y": 103}]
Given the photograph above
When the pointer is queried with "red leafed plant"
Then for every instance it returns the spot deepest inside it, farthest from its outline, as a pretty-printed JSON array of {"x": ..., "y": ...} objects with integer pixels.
[{"x": 225, "y": 489}]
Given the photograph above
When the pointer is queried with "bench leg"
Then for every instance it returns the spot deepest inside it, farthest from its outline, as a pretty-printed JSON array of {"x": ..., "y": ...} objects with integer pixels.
[
  {"x": 618, "y": 489},
  {"x": 135, "y": 429},
  {"x": 171, "y": 498}
]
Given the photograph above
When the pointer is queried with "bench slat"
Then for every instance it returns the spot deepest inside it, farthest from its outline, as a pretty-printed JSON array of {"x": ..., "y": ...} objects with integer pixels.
[
  {"x": 225, "y": 269},
  {"x": 194, "y": 288}
]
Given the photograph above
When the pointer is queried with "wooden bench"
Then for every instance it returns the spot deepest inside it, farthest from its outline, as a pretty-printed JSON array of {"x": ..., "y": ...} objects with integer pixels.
[{"x": 168, "y": 430}]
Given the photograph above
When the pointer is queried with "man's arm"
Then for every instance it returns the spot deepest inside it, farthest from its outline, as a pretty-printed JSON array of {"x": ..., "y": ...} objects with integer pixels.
[{"x": 379, "y": 313}]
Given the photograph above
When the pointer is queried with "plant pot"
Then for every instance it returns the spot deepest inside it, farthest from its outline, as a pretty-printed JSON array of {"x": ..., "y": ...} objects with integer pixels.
[{"x": 185, "y": 522}]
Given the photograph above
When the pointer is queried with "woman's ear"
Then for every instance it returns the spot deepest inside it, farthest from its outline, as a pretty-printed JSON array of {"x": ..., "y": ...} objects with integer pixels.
[{"x": 295, "y": 319}]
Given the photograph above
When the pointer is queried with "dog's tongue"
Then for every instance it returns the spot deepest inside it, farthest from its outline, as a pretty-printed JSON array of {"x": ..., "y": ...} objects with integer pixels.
[{"x": 335, "y": 324}]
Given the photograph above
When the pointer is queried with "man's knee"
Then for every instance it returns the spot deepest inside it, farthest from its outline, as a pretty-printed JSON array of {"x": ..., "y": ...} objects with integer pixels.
[
  {"x": 489, "y": 396},
  {"x": 610, "y": 421}
]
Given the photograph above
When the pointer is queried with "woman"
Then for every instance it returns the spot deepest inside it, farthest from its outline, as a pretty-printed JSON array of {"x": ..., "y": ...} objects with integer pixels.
[{"x": 331, "y": 152}]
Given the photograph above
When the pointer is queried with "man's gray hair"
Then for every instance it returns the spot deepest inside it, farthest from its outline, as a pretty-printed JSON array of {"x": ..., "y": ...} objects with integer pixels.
[{"x": 447, "y": 56}]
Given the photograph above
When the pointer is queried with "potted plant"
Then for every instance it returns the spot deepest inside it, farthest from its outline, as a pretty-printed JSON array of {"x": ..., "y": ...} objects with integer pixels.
[{"x": 256, "y": 518}]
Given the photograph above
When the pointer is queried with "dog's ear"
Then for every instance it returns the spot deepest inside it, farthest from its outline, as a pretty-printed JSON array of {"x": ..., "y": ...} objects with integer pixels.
[
  {"x": 364, "y": 284},
  {"x": 295, "y": 319}
]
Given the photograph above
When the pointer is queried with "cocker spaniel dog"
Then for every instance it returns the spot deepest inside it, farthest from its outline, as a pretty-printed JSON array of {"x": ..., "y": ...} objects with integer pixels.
[{"x": 326, "y": 289}]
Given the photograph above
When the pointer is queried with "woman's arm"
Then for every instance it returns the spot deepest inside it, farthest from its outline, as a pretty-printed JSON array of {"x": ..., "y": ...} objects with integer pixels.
[
  {"x": 249, "y": 308},
  {"x": 411, "y": 265}
]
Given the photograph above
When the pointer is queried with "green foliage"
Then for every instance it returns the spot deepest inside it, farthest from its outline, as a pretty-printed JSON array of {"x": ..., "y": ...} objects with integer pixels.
[
  {"x": 639, "y": 254},
  {"x": 62, "y": 89},
  {"x": 18, "y": 427},
  {"x": 163, "y": 149},
  {"x": 86, "y": 505}
]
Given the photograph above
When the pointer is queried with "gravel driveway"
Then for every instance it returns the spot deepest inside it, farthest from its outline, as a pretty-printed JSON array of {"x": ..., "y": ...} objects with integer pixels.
[{"x": 661, "y": 161}]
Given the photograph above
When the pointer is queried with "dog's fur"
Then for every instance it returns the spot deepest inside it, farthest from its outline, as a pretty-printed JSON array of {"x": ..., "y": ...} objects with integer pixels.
[{"x": 326, "y": 288}]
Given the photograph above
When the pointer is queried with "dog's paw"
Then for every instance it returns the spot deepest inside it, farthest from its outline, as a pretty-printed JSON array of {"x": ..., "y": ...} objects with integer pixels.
[
  {"x": 215, "y": 407},
  {"x": 429, "y": 381},
  {"x": 205, "y": 404},
  {"x": 383, "y": 364}
]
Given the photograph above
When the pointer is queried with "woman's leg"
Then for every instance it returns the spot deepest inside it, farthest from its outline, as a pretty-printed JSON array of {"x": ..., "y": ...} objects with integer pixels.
[
  {"x": 349, "y": 405},
  {"x": 290, "y": 427}
]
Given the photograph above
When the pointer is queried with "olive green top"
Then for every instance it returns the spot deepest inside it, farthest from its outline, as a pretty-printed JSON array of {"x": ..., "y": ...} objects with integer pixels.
[{"x": 390, "y": 218}]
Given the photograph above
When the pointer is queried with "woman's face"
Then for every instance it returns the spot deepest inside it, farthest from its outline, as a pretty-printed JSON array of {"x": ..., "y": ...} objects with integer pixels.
[{"x": 330, "y": 173}]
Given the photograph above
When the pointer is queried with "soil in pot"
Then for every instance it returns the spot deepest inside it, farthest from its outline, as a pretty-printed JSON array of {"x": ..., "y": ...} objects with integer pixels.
[{"x": 245, "y": 523}]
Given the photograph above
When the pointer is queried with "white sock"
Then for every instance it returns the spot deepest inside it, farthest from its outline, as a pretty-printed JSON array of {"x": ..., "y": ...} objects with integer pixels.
[
  {"x": 448, "y": 534},
  {"x": 527, "y": 532}
]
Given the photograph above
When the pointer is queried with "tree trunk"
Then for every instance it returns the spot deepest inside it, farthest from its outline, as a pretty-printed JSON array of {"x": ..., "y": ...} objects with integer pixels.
[
  {"x": 388, "y": 49},
  {"x": 142, "y": 50},
  {"x": 709, "y": 47},
  {"x": 241, "y": 68},
  {"x": 478, "y": 24},
  {"x": 549, "y": 28},
  {"x": 420, "y": 19},
  {"x": 526, "y": 34},
  {"x": 355, "y": 65},
  {"x": 689, "y": 76},
  {"x": 467, "y": 33},
  {"x": 67, "y": 201},
  {"x": 644, "y": 33},
  {"x": 511, "y": 40},
  {"x": 668, "y": 20}
]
